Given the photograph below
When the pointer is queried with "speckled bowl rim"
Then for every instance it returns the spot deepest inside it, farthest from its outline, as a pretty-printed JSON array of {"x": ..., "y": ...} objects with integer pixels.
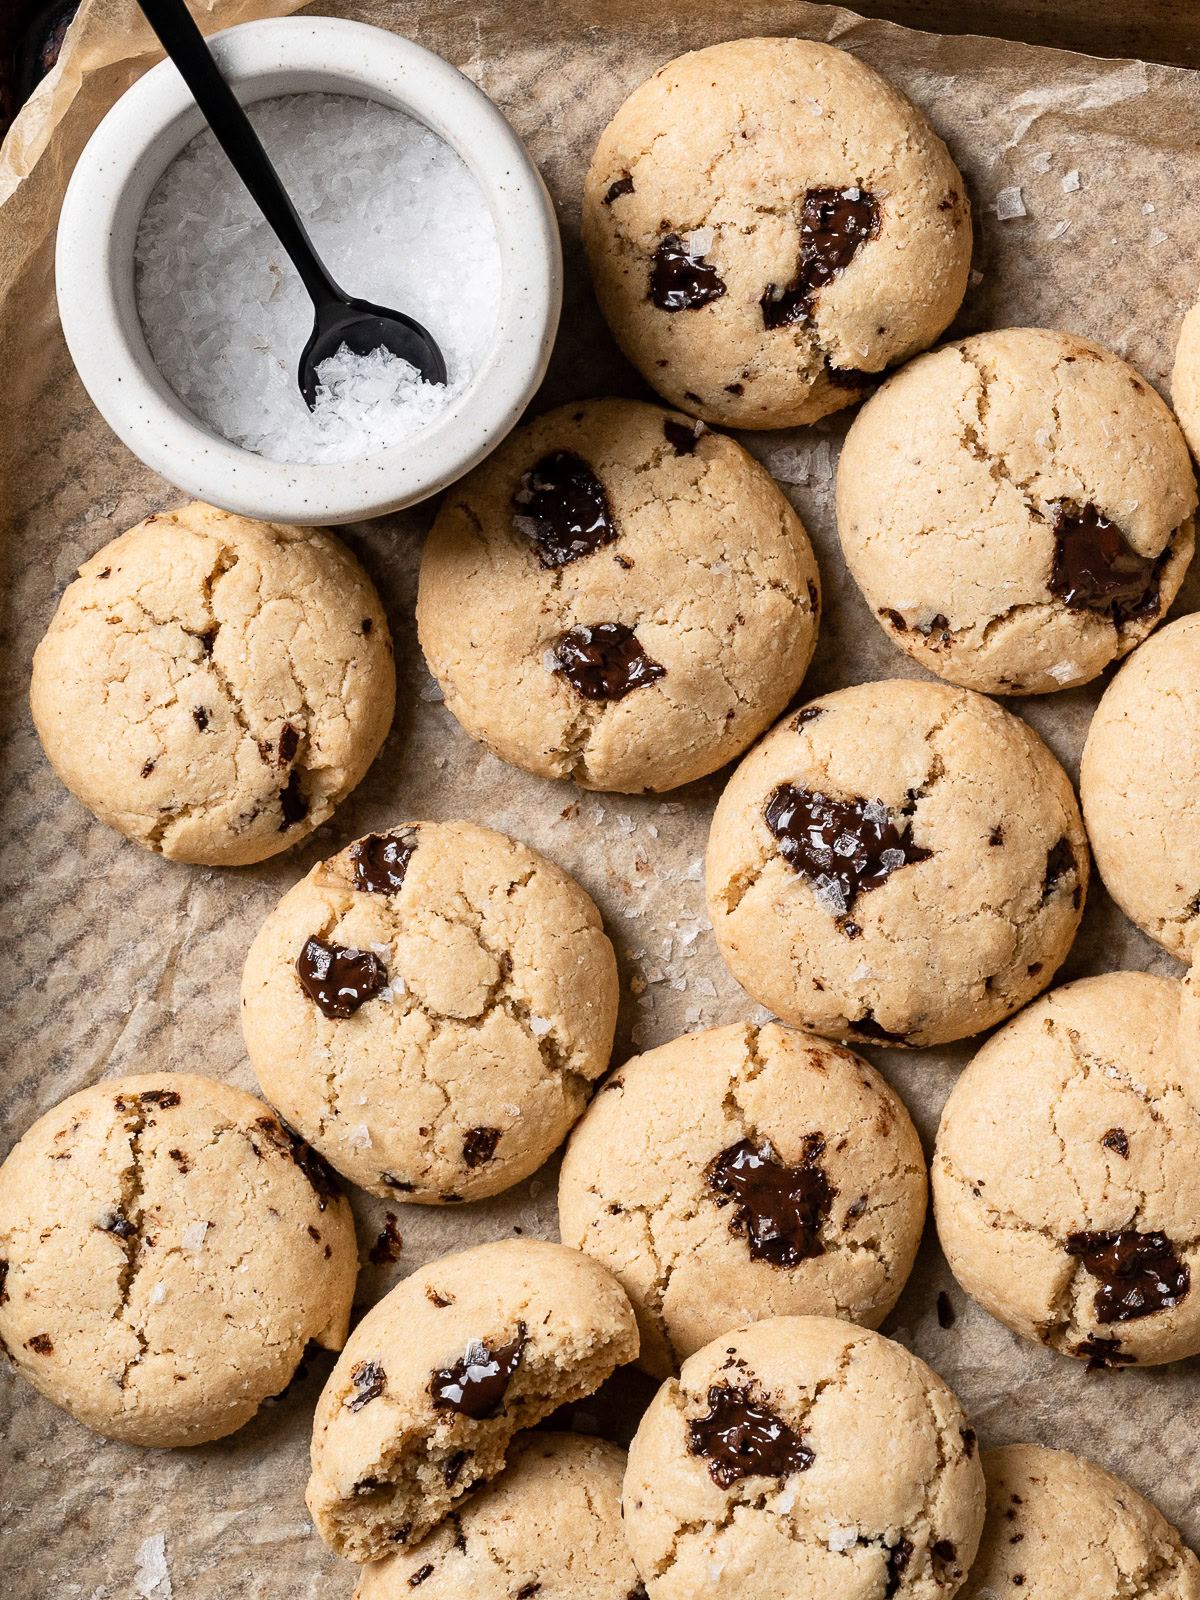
[{"x": 94, "y": 272}]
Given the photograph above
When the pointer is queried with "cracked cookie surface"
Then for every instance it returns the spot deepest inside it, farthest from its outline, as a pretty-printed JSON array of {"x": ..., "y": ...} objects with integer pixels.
[
  {"x": 167, "y": 1250},
  {"x": 1061, "y": 1527},
  {"x": 550, "y": 1525},
  {"x": 745, "y": 1171},
  {"x": 1017, "y": 510},
  {"x": 436, "y": 1379},
  {"x": 1139, "y": 782},
  {"x": 213, "y": 687},
  {"x": 897, "y": 863},
  {"x": 1064, "y": 1175},
  {"x": 472, "y": 1003},
  {"x": 618, "y": 596},
  {"x": 770, "y": 224},
  {"x": 878, "y": 1492}
]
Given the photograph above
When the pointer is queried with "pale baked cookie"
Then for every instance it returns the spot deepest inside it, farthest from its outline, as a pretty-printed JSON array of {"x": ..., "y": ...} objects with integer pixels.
[
  {"x": 436, "y": 1379},
  {"x": 550, "y": 1525},
  {"x": 802, "y": 1459},
  {"x": 1139, "y": 782},
  {"x": 770, "y": 224},
  {"x": 617, "y": 596},
  {"x": 167, "y": 1250},
  {"x": 899, "y": 862},
  {"x": 1185, "y": 379},
  {"x": 1061, "y": 1528},
  {"x": 212, "y": 687},
  {"x": 1064, "y": 1177},
  {"x": 430, "y": 1007},
  {"x": 1017, "y": 510},
  {"x": 744, "y": 1172}
]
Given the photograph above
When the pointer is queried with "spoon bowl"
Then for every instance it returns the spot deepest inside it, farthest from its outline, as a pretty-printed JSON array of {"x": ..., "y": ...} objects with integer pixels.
[{"x": 363, "y": 328}]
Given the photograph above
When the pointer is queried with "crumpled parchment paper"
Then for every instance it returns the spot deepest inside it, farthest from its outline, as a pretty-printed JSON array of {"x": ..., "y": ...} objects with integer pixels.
[{"x": 118, "y": 961}]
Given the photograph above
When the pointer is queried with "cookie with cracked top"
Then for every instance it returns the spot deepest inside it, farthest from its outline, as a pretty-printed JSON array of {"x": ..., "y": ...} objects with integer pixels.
[
  {"x": 167, "y": 1249},
  {"x": 618, "y": 596},
  {"x": 1017, "y": 510},
  {"x": 898, "y": 863},
  {"x": 745, "y": 1171},
  {"x": 430, "y": 1008},
  {"x": 800, "y": 1457},
  {"x": 1058, "y": 1525},
  {"x": 550, "y": 1523},
  {"x": 770, "y": 225},
  {"x": 1063, "y": 1175},
  {"x": 213, "y": 687}
]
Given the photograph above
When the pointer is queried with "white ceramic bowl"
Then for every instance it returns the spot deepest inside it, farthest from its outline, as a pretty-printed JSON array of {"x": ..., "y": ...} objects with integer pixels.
[{"x": 94, "y": 269}]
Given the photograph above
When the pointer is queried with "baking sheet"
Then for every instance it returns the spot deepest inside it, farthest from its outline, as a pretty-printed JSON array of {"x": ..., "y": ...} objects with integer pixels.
[{"x": 118, "y": 961}]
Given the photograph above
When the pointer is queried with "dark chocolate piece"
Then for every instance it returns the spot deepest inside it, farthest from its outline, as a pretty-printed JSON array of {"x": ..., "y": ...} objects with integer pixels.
[
  {"x": 779, "y": 1209},
  {"x": 119, "y": 1225},
  {"x": 834, "y": 224},
  {"x": 562, "y": 507},
  {"x": 479, "y": 1146},
  {"x": 843, "y": 847},
  {"x": 200, "y": 717},
  {"x": 680, "y": 281},
  {"x": 1096, "y": 569},
  {"x": 1139, "y": 1273},
  {"x": 1102, "y": 1353},
  {"x": 605, "y": 661},
  {"x": 419, "y": 1576},
  {"x": 475, "y": 1385},
  {"x": 622, "y": 185},
  {"x": 164, "y": 1099},
  {"x": 1060, "y": 862},
  {"x": 41, "y": 1344},
  {"x": 1116, "y": 1140},
  {"x": 289, "y": 743},
  {"x": 314, "y": 1167},
  {"x": 868, "y": 1028},
  {"x": 381, "y": 860},
  {"x": 742, "y": 1438},
  {"x": 339, "y": 980},
  {"x": 292, "y": 802},
  {"x": 390, "y": 1242},
  {"x": 453, "y": 1466},
  {"x": 369, "y": 1380},
  {"x": 899, "y": 1555}
]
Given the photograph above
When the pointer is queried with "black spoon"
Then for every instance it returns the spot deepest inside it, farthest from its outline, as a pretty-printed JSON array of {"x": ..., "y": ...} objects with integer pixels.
[{"x": 339, "y": 318}]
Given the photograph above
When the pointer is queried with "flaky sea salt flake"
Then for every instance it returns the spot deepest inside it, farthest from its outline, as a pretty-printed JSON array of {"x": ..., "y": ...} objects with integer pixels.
[
  {"x": 1071, "y": 181},
  {"x": 1009, "y": 204},
  {"x": 152, "y": 1580}
]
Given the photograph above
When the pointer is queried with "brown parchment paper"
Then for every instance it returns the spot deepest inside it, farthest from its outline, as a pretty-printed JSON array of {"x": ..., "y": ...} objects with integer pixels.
[{"x": 118, "y": 961}]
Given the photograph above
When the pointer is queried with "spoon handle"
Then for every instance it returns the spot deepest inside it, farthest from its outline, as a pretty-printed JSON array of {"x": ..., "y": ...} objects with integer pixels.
[{"x": 184, "y": 43}]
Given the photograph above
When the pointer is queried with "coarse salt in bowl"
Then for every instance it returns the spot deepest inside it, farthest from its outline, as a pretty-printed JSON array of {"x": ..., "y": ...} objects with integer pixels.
[{"x": 125, "y": 228}]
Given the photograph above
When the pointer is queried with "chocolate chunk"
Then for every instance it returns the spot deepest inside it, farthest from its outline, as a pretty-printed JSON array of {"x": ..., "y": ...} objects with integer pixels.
[
  {"x": 1096, "y": 569},
  {"x": 369, "y": 1380},
  {"x": 605, "y": 661},
  {"x": 1139, "y": 1273},
  {"x": 680, "y": 281},
  {"x": 40, "y": 1344},
  {"x": 367, "y": 625},
  {"x": 996, "y": 837},
  {"x": 562, "y": 506},
  {"x": 164, "y": 1099},
  {"x": 808, "y": 714},
  {"x": 119, "y": 1225},
  {"x": 528, "y": 1590},
  {"x": 147, "y": 768},
  {"x": 420, "y": 1575},
  {"x": 292, "y": 802},
  {"x": 339, "y": 980},
  {"x": 200, "y": 717},
  {"x": 899, "y": 1555},
  {"x": 3, "y": 1282},
  {"x": 622, "y": 185},
  {"x": 390, "y": 1242},
  {"x": 381, "y": 860},
  {"x": 477, "y": 1382},
  {"x": 439, "y": 1300},
  {"x": 742, "y": 1438},
  {"x": 944, "y": 1550},
  {"x": 479, "y": 1146},
  {"x": 779, "y": 1209},
  {"x": 1060, "y": 861},
  {"x": 1102, "y": 1353},
  {"x": 453, "y": 1466},
  {"x": 638, "y": 1592},
  {"x": 946, "y": 1313},
  {"x": 314, "y": 1167},
  {"x": 834, "y": 225},
  {"x": 1117, "y": 1140},
  {"x": 682, "y": 438},
  {"x": 867, "y": 1028},
  {"x": 289, "y": 743},
  {"x": 843, "y": 847}
]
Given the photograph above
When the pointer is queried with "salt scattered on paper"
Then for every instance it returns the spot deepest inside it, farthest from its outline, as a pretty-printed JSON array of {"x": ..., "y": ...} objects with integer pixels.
[
  {"x": 399, "y": 220},
  {"x": 1009, "y": 204},
  {"x": 152, "y": 1580},
  {"x": 1041, "y": 161},
  {"x": 1071, "y": 181},
  {"x": 1057, "y": 231}
]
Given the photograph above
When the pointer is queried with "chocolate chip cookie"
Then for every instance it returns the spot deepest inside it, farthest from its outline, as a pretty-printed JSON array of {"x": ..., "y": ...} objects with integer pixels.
[
  {"x": 430, "y": 1007},
  {"x": 213, "y": 687},
  {"x": 436, "y": 1379},
  {"x": 770, "y": 224},
  {"x": 743, "y": 1172},
  {"x": 1017, "y": 510},
  {"x": 1064, "y": 1175},
  {"x": 617, "y": 596},
  {"x": 801, "y": 1458},
  {"x": 167, "y": 1250},
  {"x": 898, "y": 863}
]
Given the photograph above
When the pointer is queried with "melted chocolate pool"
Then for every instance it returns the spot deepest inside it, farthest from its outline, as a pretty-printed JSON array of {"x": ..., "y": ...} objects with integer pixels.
[
  {"x": 780, "y": 1209},
  {"x": 844, "y": 846},
  {"x": 1095, "y": 569},
  {"x": 834, "y": 225},
  {"x": 680, "y": 281},
  {"x": 339, "y": 980},
  {"x": 743, "y": 1438},
  {"x": 381, "y": 860},
  {"x": 1139, "y": 1273},
  {"x": 561, "y": 505},
  {"x": 605, "y": 661},
  {"x": 476, "y": 1384}
]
